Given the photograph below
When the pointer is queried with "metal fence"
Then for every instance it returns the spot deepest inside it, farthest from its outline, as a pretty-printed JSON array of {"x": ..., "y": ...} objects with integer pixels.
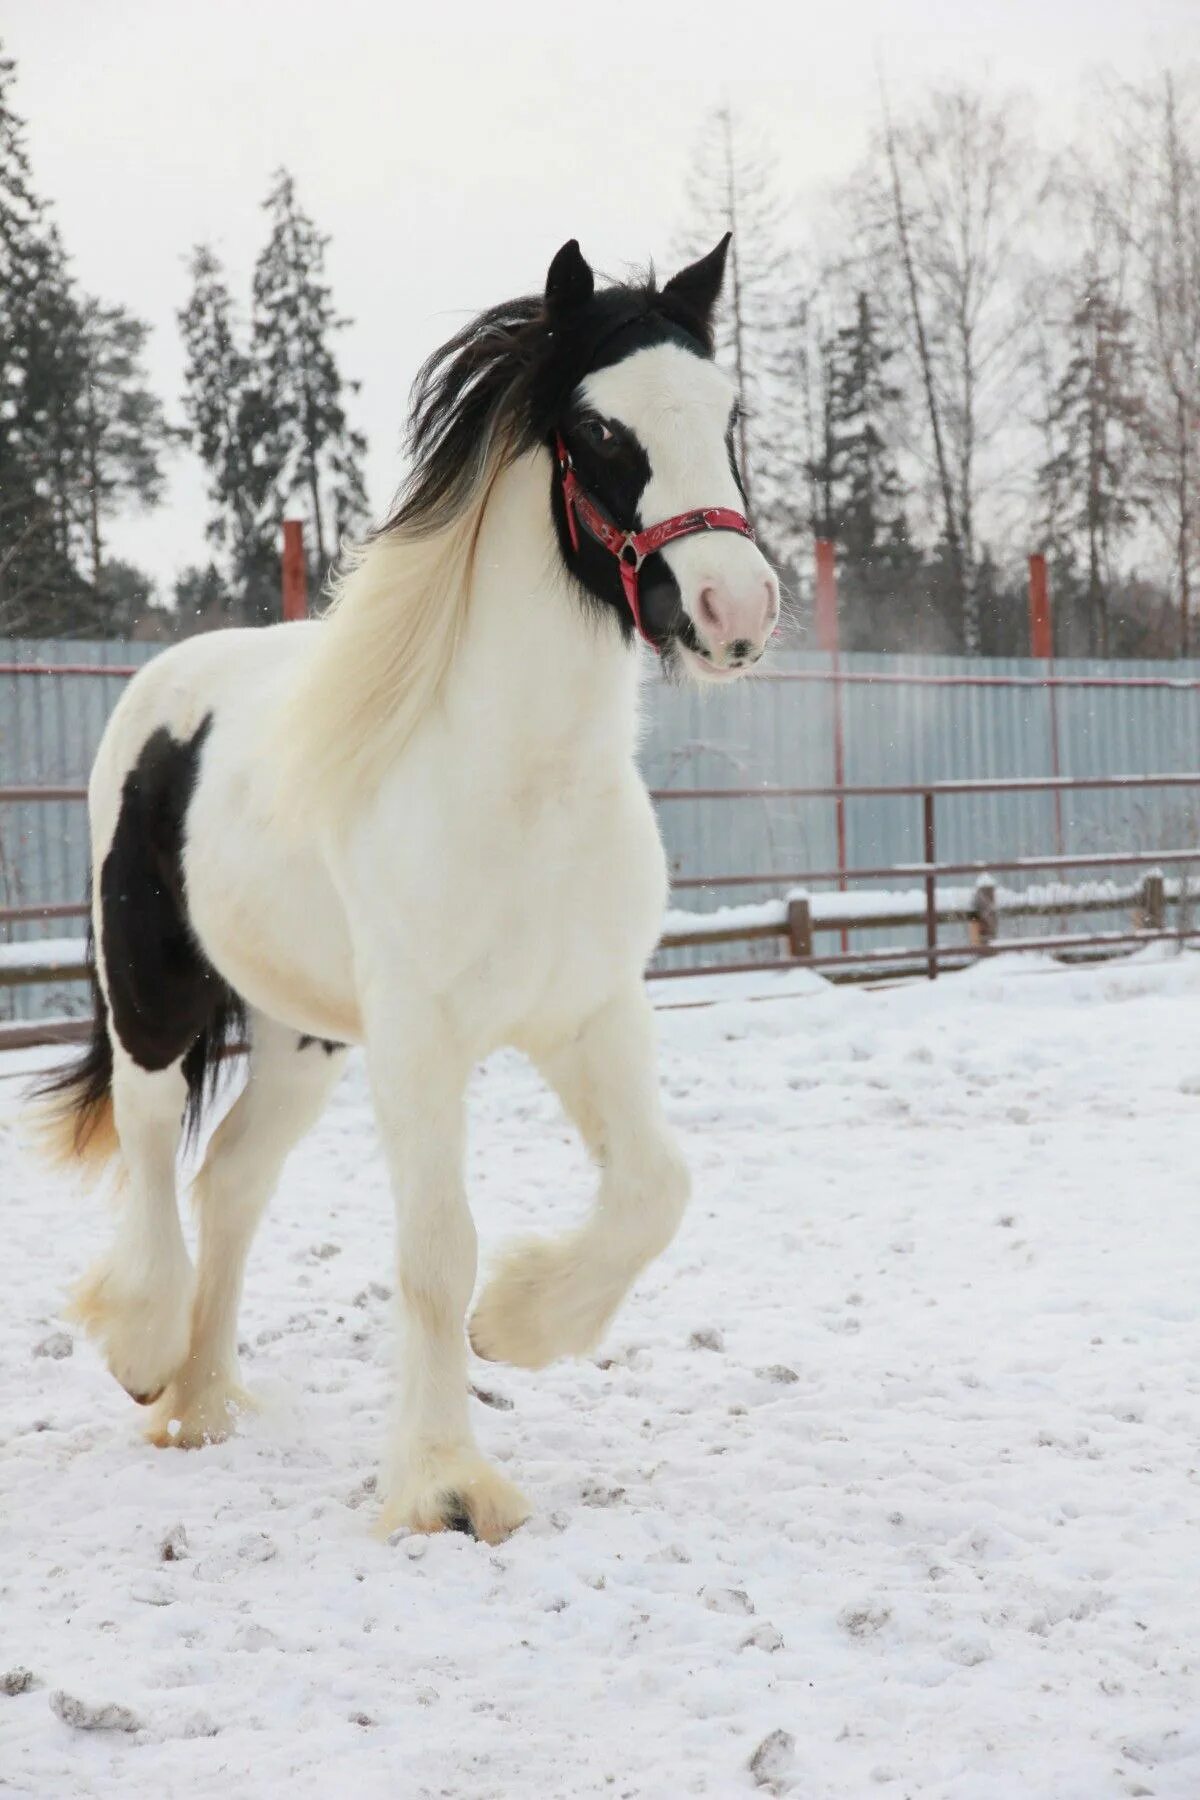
[
  {"x": 911, "y": 721},
  {"x": 904, "y": 721}
]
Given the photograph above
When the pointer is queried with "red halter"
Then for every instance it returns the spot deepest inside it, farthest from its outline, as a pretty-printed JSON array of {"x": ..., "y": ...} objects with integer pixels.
[{"x": 631, "y": 548}]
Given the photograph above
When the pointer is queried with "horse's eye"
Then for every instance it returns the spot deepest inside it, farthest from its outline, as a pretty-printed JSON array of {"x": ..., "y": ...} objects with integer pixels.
[{"x": 596, "y": 433}]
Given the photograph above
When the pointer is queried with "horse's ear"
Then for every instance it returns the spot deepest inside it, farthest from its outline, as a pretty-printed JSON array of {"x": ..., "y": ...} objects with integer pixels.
[
  {"x": 696, "y": 289},
  {"x": 570, "y": 282}
]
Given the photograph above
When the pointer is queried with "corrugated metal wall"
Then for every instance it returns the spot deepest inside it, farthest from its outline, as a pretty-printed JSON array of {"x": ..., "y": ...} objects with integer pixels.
[
  {"x": 768, "y": 732},
  {"x": 782, "y": 732},
  {"x": 50, "y": 726}
]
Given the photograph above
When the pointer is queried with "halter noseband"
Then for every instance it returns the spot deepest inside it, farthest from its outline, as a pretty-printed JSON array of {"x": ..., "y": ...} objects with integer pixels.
[{"x": 631, "y": 548}]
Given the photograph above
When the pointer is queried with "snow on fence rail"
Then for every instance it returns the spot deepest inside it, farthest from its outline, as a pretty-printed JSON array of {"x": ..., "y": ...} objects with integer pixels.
[{"x": 792, "y": 922}]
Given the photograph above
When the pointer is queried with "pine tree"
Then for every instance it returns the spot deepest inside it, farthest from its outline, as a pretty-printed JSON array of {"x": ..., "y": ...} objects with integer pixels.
[
  {"x": 1097, "y": 418},
  {"x": 39, "y": 382},
  {"x": 310, "y": 445},
  {"x": 861, "y": 494},
  {"x": 79, "y": 433},
  {"x": 233, "y": 431},
  {"x": 123, "y": 428}
]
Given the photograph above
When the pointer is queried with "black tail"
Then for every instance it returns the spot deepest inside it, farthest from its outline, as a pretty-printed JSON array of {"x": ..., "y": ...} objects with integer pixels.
[
  {"x": 223, "y": 1035},
  {"x": 71, "y": 1112}
]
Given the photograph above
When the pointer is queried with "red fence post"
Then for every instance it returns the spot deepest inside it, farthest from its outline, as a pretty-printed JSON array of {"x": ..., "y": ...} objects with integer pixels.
[
  {"x": 1041, "y": 627},
  {"x": 1041, "y": 646},
  {"x": 828, "y": 639},
  {"x": 825, "y": 598},
  {"x": 295, "y": 571}
]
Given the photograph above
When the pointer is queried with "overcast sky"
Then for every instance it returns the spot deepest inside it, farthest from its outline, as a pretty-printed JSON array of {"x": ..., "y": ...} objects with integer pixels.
[{"x": 450, "y": 152}]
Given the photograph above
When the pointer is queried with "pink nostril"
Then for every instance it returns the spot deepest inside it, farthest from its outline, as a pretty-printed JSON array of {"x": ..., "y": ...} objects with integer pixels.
[{"x": 710, "y": 618}]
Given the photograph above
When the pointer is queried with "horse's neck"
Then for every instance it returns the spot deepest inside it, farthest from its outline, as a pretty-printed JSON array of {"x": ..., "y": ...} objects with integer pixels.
[{"x": 539, "y": 674}]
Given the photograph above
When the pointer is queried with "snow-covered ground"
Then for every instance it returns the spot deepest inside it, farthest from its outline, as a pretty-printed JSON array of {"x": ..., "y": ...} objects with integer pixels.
[{"x": 895, "y": 1452}]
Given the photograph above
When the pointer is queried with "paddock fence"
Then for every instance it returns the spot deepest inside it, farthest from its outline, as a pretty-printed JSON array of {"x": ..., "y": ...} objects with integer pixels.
[{"x": 848, "y": 796}]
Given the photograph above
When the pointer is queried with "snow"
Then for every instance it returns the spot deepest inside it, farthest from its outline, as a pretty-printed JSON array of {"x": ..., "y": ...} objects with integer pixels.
[
  {"x": 868, "y": 903},
  {"x": 886, "y": 1481},
  {"x": 43, "y": 953}
]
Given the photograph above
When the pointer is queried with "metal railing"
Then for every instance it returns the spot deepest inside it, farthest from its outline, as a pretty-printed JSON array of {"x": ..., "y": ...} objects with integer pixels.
[{"x": 928, "y": 870}]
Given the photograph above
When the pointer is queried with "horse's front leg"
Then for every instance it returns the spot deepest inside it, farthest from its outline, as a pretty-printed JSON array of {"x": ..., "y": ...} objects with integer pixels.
[
  {"x": 555, "y": 1297},
  {"x": 437, "y": 1479}
]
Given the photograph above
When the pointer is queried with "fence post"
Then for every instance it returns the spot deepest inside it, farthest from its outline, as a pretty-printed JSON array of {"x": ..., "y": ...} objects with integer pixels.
[
  {"x": 825, "y": 597},
  {"x": 1041, "y": 627},
  {"x": 983, "y": 914},
  {"x": 1150, "y": 913},
  {"x": 1041, "y": 648},
  {"x": 295, "y": 571},
  {"x": 799, "y": 925},
  {"x": 931, "y": 918},
  {"x": 829, "y": 641}
]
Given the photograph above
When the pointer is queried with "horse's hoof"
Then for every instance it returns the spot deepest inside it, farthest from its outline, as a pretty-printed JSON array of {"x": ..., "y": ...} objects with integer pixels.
[
  {"x": 459, "y": 1492},
  {"x": 456, "y": 1517}
]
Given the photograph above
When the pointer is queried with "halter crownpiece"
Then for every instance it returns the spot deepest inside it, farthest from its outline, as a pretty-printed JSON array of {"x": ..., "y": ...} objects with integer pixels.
[{"x": 631, "y": 548}]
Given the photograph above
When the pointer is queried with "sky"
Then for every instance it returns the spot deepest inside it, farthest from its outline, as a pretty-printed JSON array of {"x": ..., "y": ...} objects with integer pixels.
[{"x": 450, "y": 151}]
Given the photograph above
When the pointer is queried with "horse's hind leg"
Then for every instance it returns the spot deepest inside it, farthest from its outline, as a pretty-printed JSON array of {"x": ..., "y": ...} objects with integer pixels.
[
  {"x": 135, "y": 1301},
  {"x": 289, "y": 1081},
  {"x": 555, "y": 1297}
]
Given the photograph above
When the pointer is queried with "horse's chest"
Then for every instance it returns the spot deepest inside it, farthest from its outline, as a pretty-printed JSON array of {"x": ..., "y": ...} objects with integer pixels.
[{"x": 556, "y": 895}]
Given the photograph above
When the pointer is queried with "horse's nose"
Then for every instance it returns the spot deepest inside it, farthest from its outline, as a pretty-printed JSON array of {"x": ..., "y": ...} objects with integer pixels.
[{"x": 735, "y": 622}]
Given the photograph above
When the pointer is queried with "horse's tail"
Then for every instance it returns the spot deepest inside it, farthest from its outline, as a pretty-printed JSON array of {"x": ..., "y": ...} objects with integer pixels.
[{"x": 69, "y": 1120}]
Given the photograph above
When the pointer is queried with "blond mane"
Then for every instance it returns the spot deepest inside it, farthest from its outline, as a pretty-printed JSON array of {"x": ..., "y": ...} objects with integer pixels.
[{"x": 386, "y": 643}]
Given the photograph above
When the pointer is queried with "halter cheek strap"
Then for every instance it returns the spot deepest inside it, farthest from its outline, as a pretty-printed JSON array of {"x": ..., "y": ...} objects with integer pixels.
[{"x": 631, "y": 548}]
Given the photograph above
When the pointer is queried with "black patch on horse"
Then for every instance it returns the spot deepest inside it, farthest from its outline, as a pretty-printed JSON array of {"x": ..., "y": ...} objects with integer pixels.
[{"x": 166, "y": 999}]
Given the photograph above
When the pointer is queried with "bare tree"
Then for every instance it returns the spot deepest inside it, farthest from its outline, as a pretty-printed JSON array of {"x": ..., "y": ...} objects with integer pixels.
[
  {"x": 940, "y": 218},
  {"x": 1151, "y": 189},
  {"x": 762, "y": 331}
]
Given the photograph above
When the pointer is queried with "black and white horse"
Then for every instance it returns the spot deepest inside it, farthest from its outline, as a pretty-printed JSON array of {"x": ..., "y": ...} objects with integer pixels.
[{"x": 417, "y": 824}]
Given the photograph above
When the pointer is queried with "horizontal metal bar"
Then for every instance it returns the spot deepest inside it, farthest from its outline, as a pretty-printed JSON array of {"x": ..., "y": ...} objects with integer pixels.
[
  {"x": 1118, "y": 859},
  {"x": 846, "y": 677},
  {"x": 1017, "y": 784},
  {"x": 870, "y": 678},
  {"x": 28, "y": 796},
  {"x": 1034, "y": 784},
  {"x": 125, "y": 670},
  {"x": 21, "y": 915},
  {"x": 45, "y": 1031},
  {"x": 30, "y": 974},
  {"x": 946, "y": 956}
]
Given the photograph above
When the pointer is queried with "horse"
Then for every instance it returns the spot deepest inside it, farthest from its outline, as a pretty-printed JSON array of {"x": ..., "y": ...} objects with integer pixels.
[{"x": 416, "y": 824}]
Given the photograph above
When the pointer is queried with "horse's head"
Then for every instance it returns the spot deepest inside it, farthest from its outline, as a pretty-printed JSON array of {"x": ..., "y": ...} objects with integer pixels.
[{"x": 647, "y": 498}]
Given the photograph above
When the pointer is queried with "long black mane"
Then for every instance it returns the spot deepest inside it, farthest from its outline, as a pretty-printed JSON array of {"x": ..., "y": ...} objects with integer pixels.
[{"x": 506, "y": 378}]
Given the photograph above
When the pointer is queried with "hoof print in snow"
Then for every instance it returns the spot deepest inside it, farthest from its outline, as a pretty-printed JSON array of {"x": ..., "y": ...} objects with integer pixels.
[
  {"x": 727, "y": 1600},
  {"x": 489, "y": 1397},
  {"x": 224, "y": 1565},
  {"x": 778, "y": 1372},
  {"x": 773, "y": 1764},
  {"x": 764, "y": 1637},
  {"x": 82, "y": 1715},
  {"x": 595, "y": 1493},
  {"x": 57, "y": 1346},
  {"x": 707, "y": 1338},
  {"x": 864, "y": 1621},
  {"x": 17, "y": 1681},
  {"x": 174, "y": 1547}
]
